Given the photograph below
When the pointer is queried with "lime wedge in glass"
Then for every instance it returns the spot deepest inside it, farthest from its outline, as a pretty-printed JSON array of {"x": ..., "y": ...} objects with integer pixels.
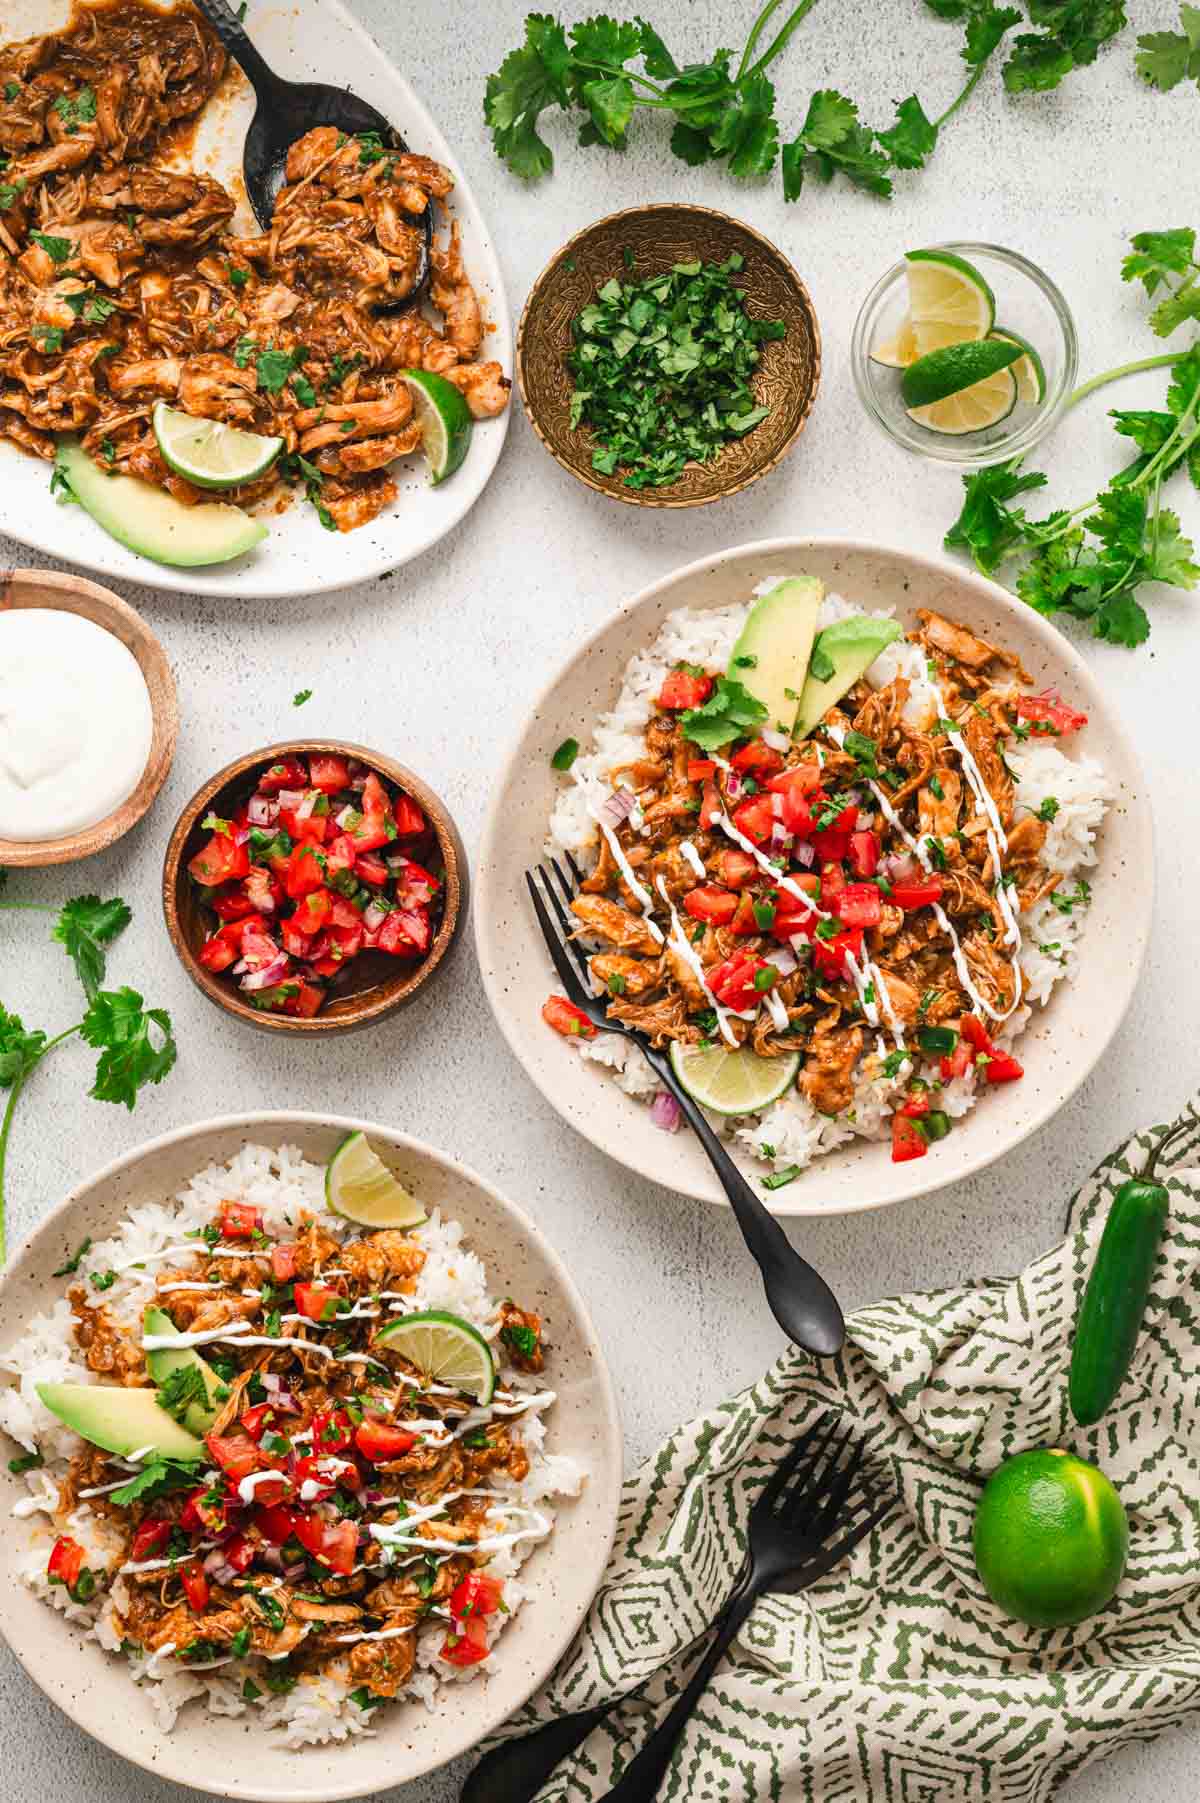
[
  {"x": 732, "y": 1082},
  {"x": 447, "y": 1349},
  {"x": 359, "y": 1186},
  {"x": 444, "y": 419},
  {"x": 897, "y": 352},
  {"x": 210, "y": 454},
  {"x": 949, "y": 371},
  {"x": 983, "y": 404},
  {"x": 1028, "y": 371},
  {"x": 949, "y": 302}
]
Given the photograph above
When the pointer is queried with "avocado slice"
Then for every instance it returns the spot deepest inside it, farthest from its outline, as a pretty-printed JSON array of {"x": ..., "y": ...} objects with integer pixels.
[
  {"x": 842, "y": 654},
  {"x": 778, "y": 637},
  {"x": 121, "y": 1421},
  {"x": 198, "y": 1417},
  {"x": 152, "y": 522}
]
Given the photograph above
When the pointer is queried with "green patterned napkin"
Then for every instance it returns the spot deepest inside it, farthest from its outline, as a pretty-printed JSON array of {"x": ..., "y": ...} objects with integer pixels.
[{"x": 895, "y": 1680}]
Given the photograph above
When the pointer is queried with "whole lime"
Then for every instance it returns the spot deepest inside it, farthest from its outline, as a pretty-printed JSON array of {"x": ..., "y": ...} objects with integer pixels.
[{"x": 1051, "y": 1538}]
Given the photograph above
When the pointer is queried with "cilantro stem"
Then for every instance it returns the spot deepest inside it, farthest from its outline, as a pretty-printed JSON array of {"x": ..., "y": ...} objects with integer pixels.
[
  {"x": 38, "y": 907},
  {"x": 756, "y": 32},
  {"x": 778, "y": 43},
  {"x": 965, "y": 95},
  {"x": 1124, "y": 369},
  {"x": 18, "y": 1085}
]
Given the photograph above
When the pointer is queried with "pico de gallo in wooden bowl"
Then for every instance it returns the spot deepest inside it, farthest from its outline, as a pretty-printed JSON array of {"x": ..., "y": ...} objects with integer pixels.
[{"x": 313, "y": 886}]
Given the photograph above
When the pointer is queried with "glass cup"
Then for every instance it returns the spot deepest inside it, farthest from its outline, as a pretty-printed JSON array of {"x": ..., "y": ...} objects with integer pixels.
[{"x": 1028, "y": 304}]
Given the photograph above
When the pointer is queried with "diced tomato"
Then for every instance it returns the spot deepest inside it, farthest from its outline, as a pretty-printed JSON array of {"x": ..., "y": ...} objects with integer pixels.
[
  {"x": 907, "y": 1140},
  {"x": 263, "y": 889},
  {"x": 314, "y": 912},
  {"x": 151, "y": 1534},
  {"x": 316, "y": 1301},
  {"x": 804, "y": 779},
  {"x": 414, "y": 886},
  {"x": 222, "y": 860},
  {"x": 319, "y": 1469},
  {"x": 858, "y": 905},
  {"x": 288, "y": 774},
  {"x": 711, "y": 805},
  {"x": 379, "y": 1440},
  {"x": 328, "y": 773},
  {"x": 700, "y": 769},
  {"x": 312, "y": 827},
  {"x": 240, "y": 1220},
  {"x": 1049, "y": 713},
  {"x": 476, "y": 1594},
  {"x": 745, "y": 921},
  {"x": 833, "y": 881},
  {"x": 708, "y": 903},
  {"x": 66, "y": 1561},
  {"x": 759, "y": 757},
  {"x": 204, "y": 1513},
  {"x": 563, "y": 1016},
  {"x": 276, "y": 1524},
  {"x": 755, "y": 819},
  {"x": 372, "y": 831},
  {"x": 863, "y": 853},
  {"x": 996, "y": 1066},
  {"x": 1002, "y": 1067},
  {"x": 371, "y": 869},
  {"x": 410, "y": 822},
  {"x": 332, "y": 1543},
  {"x": 919, "y": 894},
  {"x": 915, "y": 1106},
  {"x": 295, "y": 943},
  {"x": 333, "y": 1431},
  {"x": 735, "y": 867},
  {"x": 234, "y": 906},
  {"x": 305, "y": 871},
  {"x": 238, "y": 1552},
  {"x": 407, "y": 932},
  {"x": 306, "y": 1002},
  {"x": 829, "y": 955},
  {"x": 225, "y": 946},
  {"x": 235, "y": 1453},
  {"x": 340, "y": 854},
  {"x": 195, "y": 1586},
  {"x": 256, "y": 1420},
  {"x": 469, "y": 1646},
  {"x": 680, "y": 689},
  {"x": 284, "y": 1256},
  {"x": 732, "y": 982},
  {"x": 258, "y": 947},
  {"x": 957, "y": 1063},
  {"x": 795, "y": 789}
]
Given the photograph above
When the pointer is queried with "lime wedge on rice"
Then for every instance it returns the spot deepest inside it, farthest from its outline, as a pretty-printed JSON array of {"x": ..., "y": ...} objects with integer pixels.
[
  {"x": 359, "y": 1186},
  {"x": 897, "y": 352},
  {"x": 444, "y": 419},
  {"x": 447, "y": 1349},
  {"x": 732, "y": 1082},
  {"x": 210, "y": 454},
  {"x": 1028, "y": 371},
  {"x": 949, "y": 302}
]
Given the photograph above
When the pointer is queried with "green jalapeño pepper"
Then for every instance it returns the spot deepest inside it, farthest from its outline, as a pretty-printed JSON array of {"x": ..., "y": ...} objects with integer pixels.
[{"x": 1114, "y": 1300}]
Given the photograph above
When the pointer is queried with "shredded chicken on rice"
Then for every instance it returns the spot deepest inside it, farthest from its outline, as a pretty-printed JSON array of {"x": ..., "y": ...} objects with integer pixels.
[{"x": 122, "y": 283}]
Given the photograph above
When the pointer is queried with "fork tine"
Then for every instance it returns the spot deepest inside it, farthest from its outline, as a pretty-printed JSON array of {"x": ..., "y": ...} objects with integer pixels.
[
  {"x": 573, "y": 945},
  {"x": 833, "y": 1555},
  {"x": 809, "y": 1446},
  {"x": 562, "y": 964},
  {"x": 831, "y": 1506},
  {"x": 810, "y": 1490},
  {"x": 575, "y": 870}
]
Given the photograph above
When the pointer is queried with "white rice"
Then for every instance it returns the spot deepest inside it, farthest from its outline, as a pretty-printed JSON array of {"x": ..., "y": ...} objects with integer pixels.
[
  {"x": 791, "y": 1132},
  {"x": 281, "y": 1183}
]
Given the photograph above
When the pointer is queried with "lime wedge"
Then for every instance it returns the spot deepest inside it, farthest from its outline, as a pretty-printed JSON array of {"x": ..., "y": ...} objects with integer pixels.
[
  {"x": 897, "y": 352},
  {"x": 732, "y": 1082},
  {"x": 359, "y": 1186},
  {"x": 444, "y": 419},
  {"x": 983, "y": 404},
  {"x": 949, "y": 371},
  {"x": 948, "y": 300},
  {"x": 210, "y": 454},
  {"x": 446, "y": 1348},
  {"x": 1028, "y": 371}
]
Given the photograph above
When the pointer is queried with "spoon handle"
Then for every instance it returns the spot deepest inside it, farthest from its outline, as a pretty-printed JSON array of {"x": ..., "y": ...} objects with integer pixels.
[
  {"x": 228, "y": 28},
  {"x": 798, "y": 1297}
]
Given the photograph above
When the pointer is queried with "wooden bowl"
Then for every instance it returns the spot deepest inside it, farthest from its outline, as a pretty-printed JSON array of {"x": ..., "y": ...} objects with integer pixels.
[
  {"x": 374, "y": 984},
  {"x": 76, "y": 595},
  {"x": 655, "y": 238}
]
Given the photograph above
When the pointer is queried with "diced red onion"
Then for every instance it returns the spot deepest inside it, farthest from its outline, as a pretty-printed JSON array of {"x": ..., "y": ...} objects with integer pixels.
[
  {"x": 898, "y": 867},
  {"x": 270, "y": 1556},
  {"x": 272, "y": 1383},
  {"x": 292, "y": 1572},
  {"x": 347, "y": 817},
  {"x": 241, "y": 834},
  {"x": 262, "y": 810},
  {"x": 374, "y": 916},
  {"x": 274, "y": 972},
  {"x": 733, "y": 785},
  {"x": 358, "y": 774},
  {"x": 781, "y": 839},
  {"x": 238, "y": 969},
  {"x": 778, "y": 741},
  {"x": 798, "y": 943},
  {"x": 665, "y": 1111},
  {"x": 804, "y": 854},
  {"x": 783, "y": 960},
  {"x": 290, "y": 798},
  {"x": 777, "y": 806},
  {"x": 373, "y": 1496},
  {"x": 218, "y": 1568},
  {"x": 618, "y": 807}
]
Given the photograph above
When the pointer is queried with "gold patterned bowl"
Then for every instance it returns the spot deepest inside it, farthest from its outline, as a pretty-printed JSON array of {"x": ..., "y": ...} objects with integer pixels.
[{"x": 646, "y": 241}]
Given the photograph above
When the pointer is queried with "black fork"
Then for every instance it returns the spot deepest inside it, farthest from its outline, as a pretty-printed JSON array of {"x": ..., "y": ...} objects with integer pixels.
[
  {"x": 811, "y": 1515},
  {"x": 799, "y": 1298}
]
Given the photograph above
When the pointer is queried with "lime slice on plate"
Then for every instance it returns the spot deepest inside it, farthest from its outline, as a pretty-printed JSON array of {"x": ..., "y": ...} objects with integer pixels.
[
  {"x": 897, "y": 352},
  {"x": 732, "y": 1082},
  {"x": 359, "y": 1186},
  {"x": 210, "y": 454},
  {"x": 1028, "y": 371},
  {"x": 446, "y": 1348},
  {"x": 444, "y": 419},
  {"x": 949, "y": 302}
]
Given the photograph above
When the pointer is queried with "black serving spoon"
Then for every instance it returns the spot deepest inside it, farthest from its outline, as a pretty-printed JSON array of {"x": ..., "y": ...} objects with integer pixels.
[{"x": 288, "y": 109}]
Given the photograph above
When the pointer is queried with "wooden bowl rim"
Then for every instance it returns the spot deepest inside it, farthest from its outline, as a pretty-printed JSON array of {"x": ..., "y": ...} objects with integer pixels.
[
  {"x": 650, "y": 497},
  {"x": 63, "y": 592},
  {"x": 373, "y": 1004}
]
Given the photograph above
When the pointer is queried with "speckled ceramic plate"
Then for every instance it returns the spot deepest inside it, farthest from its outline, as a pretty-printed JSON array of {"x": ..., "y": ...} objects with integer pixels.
[
  {"x": 1062, "y": 1042},
  {"x": 231, "y": 1757},
  {"x": 304, "y": 40}
]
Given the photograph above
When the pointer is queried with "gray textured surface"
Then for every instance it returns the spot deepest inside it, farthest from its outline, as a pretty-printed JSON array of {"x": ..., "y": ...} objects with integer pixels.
[{"x": 436, "y": 663}]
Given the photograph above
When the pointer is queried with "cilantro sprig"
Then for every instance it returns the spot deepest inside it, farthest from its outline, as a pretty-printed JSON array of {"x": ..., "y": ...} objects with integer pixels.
[
  {"x": 135, "y": 1043},
  {"x": 1088, "y": 562},
  {"x": 731, "y": 712}
]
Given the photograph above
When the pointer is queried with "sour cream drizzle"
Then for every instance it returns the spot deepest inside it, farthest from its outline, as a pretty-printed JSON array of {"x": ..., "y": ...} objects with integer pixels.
[{"x": 688, "y": 954}]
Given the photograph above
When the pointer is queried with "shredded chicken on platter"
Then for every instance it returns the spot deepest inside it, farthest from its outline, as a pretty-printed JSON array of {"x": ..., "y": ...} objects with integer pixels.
[{"x": 122, "y": 282}]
